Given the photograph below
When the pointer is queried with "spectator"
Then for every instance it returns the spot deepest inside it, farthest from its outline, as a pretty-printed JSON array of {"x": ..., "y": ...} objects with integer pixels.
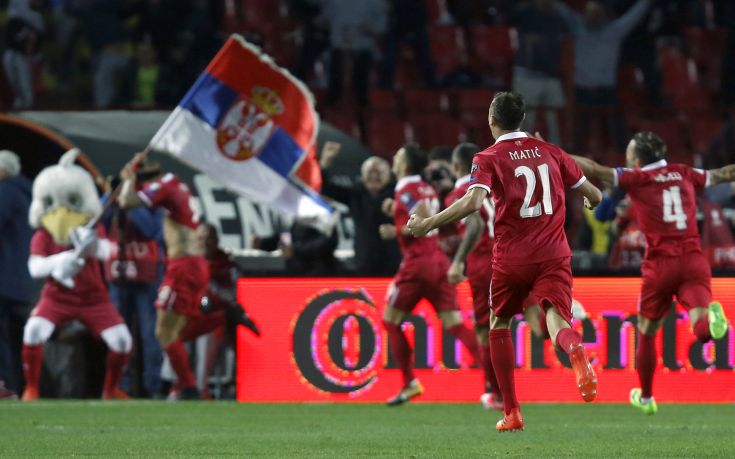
[
  {"x": 597, "y": 42},
  {"x": 134, "y": 271},
  {"x": 23, "y": 34},
  {"x": 537, "y": 72},
  {"x": 365, "y": 200},
  {"x": 15, "y": 282},
  {"x": 354, "y": 27},
  {"x": 407, "y": 23},
  {"x": 313, "y": 33}
]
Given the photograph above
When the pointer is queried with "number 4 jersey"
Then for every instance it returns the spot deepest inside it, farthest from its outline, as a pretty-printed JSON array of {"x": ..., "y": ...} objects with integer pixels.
[
  {"x": 527, "y": 179},
  {"x": 665, "y": 205},
  {"x": 173, "y": 196}
]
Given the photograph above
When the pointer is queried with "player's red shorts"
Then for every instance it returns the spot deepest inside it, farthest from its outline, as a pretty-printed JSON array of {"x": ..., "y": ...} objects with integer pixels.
[
  {"x": 97, "y": 316},
  {"x": 423, "y": 278},
  {"x": 549, "y": 281},
  {"x": 479, "y": 274},
  {"x": 687, "y": 276},
  {"x": 183, "y": 286}
]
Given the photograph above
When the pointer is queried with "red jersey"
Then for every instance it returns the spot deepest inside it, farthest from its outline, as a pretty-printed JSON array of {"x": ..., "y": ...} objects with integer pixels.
[
  {"x": 528, "y": 178},
  {"x": 410, "y": 192},
  {"x": 89, "y": 285},
  {"x": 484, "y": 248},
  {"x": 173, "y": 196},
  {"x": 664, "y": 199}
]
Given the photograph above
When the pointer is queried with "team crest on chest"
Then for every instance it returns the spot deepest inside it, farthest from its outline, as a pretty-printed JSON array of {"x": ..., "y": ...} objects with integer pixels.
[{"x": 248, "y": 124}]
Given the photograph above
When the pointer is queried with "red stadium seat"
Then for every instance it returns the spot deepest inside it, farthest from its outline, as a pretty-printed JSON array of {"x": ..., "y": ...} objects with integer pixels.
[
  {"x": 702, "y": 129},
  {"x": 475, "y": 128},
  {"x": 706, "y": 47},
  {"x": 630, "y": 87},
  {"x": 494, "y": 49},
  {"x": 421, "y": 100},
  {"x": 473, "y": 99},
  {"x": 386, "y": 132},
  {"x": 447, "y": 48},
  {"x": 434, "y": 129},
  {"x": 385, "y": 100}
]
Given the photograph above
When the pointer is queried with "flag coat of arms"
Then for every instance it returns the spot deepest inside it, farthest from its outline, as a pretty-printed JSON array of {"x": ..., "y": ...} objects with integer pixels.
[{"x": 252, "y": 126}]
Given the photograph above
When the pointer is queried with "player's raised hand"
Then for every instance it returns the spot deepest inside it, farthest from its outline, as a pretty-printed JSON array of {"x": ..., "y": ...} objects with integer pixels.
[
  {"x": 455, "y": 275},
  {"x": 417, "y": 226},
  {"x": 588, "y": 204},
  {"x": 330, "y": 151},
  {"x": 387, "y": 231}
]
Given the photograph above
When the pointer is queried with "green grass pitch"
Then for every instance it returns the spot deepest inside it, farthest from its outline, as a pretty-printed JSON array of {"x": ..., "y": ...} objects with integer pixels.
[{"x": 211, "y": 429}]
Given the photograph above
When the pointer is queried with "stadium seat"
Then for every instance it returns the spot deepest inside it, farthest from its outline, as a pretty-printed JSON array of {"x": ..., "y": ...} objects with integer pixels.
[
  {"x": 447, "y": 46},
  {"x": 494, "y": 49},
  {"x": 702, "y": 129},
  {"x": 475, "y": 128},
  {"x": 385, "y": 100},
  {"x": 630, "y": 87},
  {"x": 421, "y": 100},
  {"x": 434, "y": 129},
  {"x": 473, "y": 99},
  {"x": 385, "y": 132}
]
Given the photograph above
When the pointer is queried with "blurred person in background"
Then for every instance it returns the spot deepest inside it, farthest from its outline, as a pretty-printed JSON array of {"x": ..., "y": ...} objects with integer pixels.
[
  {"x": 597, "y": 44},
  {"x": 23, "y": 33},
  {"x": 134, "y": 271},
  {"x": 407, "y": 23},
  {"x": 15, "y": 282},
  {"x": 439, "y": 174},
  {"x": 354, "y": 29},
  {"x": 537, "y": 72},
  {"x": 365, "y": 200}
]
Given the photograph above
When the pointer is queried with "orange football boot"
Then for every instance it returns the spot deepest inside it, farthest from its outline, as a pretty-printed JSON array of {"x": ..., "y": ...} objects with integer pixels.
[
  {"x": 115, "y": 394},
  {"x": 511, "y": 422},
  {"x": 586, "y": 378},
  {"x": 30, "y": 394}
]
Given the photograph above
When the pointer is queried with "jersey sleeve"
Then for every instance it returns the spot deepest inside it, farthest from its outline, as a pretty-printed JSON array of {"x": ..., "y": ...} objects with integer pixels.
[
  {"x": 699, "y": 177},
  {"x": 40, "y": 244},
  {"x": 481, "y": 174},
  {"x": 154, "y": 193},
  {"x": 404, "y": 202},
  {"x": 625, "y": 178},
  {"x": 571, "y": 173}
]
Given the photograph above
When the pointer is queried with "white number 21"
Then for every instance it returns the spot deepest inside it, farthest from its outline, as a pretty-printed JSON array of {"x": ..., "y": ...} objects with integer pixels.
[{"x": 526, "y": 210}]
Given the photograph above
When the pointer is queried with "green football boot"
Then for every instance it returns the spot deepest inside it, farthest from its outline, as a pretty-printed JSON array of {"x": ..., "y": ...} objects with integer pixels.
[
  {"x": 717, "y": 320},
  {"x": 635, "y": 399}
]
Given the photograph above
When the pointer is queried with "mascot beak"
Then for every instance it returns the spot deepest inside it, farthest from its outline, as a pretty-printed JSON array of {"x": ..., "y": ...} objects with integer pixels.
[{"x": 62, "y": 219}]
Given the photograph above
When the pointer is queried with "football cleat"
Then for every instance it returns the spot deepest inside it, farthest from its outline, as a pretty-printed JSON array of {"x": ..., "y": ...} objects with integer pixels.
[
  {"x": 115, "y": 394},
  {"x": 490, "y": 401},
  {"x": 717, "y": 320},
  {"x": 414, "y": 389},
  {"x": 648, "y": 407},
  {"x": 7, "y": 394},
  {"x": 586, "y": 378},
  {"x": 30, "y": 394},
  {"x": 237, "y": 316},
  {"x": 511, "y": 422},
  {"x": 189, "y": 393}
]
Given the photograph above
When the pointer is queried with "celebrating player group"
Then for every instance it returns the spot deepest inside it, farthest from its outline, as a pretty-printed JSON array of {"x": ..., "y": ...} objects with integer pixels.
[{"x": 509, "y": 203}]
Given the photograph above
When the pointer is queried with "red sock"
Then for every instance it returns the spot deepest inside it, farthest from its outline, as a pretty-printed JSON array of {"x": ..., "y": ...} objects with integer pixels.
[
  {"x": 701, "y": 330},
  {"x": 491, "y": 382},
  {"x": 401, "y": 351},
  {"x": 467, "y": 337},
  {"x": 116, "y": 363},
  {"x": 503, "y": 356},
  {"x": 645, "y": 362},
  {"x": 180, "y": 362},
  {"x": 566, "y": 338},
  {"x": 32, "y": 360}
]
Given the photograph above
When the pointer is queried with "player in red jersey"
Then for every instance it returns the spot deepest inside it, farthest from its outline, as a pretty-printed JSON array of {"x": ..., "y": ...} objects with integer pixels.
[
  {"x": 663, "y": 199},
  {"x": 423, "y": 271},
  {"x": 528, "y": 178},
  {"x": 187, "y": 273},
  {"x": 474, "y": 257}
]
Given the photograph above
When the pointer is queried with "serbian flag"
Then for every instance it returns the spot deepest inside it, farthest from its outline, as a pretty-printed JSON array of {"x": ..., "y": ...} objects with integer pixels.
[{"x": 251, "y": 126}]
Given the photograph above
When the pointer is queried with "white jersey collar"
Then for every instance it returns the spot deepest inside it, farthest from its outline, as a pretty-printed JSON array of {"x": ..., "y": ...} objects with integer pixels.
[
  {"x": 406, "y": 180},
  {"x": 657, "y": 165},
  {"x": 511, "y": 136},
  {"x": 462, "y": 181}
]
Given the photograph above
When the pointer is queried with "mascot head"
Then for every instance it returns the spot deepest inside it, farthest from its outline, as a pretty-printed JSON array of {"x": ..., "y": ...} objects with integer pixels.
[{"x": 64, "y": 197}]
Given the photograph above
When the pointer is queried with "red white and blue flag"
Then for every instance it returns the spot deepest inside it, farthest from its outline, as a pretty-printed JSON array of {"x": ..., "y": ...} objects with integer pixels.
[{"x": 251, "y": 126}]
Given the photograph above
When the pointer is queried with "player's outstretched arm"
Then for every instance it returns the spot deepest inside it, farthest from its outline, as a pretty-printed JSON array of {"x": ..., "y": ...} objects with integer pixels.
[
  {"x": 471, "y": 202},
  {"x": 473, "y": 226},
  {"x": 594, "y": 170},
  {"x": 722, "y": 175},
  {"x": 592, "y": 194}
]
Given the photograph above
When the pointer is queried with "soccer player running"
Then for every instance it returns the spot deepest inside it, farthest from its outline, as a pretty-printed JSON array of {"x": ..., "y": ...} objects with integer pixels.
[
  {"x": 474, "y": 258},
  {"x": 187, "y": 273},
  {"x": 423, "y": 271},
  {"x": 528, "y": 178},
  {"x": 663, "y": 197}
]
